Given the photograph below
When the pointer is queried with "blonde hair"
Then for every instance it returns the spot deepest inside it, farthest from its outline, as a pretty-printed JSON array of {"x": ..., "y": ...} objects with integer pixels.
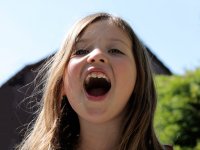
[{"x": 138, "y": 125}]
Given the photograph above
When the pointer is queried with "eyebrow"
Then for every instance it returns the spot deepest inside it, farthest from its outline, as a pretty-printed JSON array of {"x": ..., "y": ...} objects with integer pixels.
[
  {"x": 81, "y": 40},
  {"x": 119, "y": 40},
  {"x": 85, "y": 40}
]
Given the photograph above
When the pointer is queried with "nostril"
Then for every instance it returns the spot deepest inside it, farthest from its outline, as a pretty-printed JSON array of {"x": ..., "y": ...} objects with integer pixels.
[
  {"x": 92, "y": 60},
  {"x": 101, "y": 60}
]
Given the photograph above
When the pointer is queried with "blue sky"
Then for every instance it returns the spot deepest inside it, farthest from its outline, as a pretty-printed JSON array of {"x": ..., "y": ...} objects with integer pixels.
[{"x": 32, "y": 30}]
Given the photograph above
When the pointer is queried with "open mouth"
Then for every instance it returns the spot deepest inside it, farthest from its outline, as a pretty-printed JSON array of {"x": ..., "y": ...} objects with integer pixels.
[{"x": 97, "y": 84}]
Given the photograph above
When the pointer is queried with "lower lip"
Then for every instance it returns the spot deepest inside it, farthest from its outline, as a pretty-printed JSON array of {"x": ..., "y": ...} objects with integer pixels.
[{"x": 96, "y": 98}]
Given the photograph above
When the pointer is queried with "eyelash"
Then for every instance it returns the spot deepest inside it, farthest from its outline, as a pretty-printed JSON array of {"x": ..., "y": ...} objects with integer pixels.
[
  {"x": 81, "y": 52},
  {"x": 115, "y": 51}
]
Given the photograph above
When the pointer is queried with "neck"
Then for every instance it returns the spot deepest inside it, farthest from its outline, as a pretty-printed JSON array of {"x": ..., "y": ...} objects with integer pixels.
[{"x": 105, "y": 136}]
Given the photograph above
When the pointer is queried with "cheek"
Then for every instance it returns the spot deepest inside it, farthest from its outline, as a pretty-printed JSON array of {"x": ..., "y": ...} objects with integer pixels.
[
  {"x": 75, "y": 67},
  {"x": 68, "y": 86},
  {"x": 127, "y": 68},
  {"x": 127, "y": 74},
  {"x": 73, "y": 71},
  {"x": 68, "y": 78},
  {"x": 72, "y": 78}
]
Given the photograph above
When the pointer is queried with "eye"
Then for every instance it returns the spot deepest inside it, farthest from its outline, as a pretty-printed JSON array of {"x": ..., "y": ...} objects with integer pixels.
[
  {"x": 80, "y": 52},
  {"x": 115, "y": 51}
]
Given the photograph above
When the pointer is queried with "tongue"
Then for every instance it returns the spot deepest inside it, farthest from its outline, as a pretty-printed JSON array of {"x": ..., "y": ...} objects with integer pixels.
[{"x": 96, "y": 92}]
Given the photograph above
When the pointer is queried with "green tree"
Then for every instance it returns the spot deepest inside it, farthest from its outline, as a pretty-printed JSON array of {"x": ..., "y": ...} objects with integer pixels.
[{"x": 177, "y": 119}]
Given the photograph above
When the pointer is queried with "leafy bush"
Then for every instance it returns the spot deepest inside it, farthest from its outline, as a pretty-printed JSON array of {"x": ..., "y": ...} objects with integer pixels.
[{"x": 177, "y": 119}]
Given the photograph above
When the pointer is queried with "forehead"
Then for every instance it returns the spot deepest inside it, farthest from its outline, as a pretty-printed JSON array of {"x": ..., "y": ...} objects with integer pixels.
[{"x": 106, "y": 28}]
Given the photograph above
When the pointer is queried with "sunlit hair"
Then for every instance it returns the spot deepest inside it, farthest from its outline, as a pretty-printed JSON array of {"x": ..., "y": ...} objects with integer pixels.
[{"x": 138, "y": 132}]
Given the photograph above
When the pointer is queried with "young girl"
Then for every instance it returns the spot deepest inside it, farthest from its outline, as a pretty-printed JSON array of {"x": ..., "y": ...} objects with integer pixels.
[{"x": 99, "y": 92}]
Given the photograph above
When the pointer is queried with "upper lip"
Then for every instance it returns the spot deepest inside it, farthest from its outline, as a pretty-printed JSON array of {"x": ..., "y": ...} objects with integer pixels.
[{"x": 95, "y": 69}]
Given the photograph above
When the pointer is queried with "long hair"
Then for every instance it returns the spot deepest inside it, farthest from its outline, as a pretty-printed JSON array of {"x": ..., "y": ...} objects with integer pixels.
[{"x": 57, "y": 126}]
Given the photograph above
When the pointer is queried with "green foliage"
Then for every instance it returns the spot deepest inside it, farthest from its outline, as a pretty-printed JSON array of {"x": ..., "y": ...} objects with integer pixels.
[{"x": 177, "y": 119}]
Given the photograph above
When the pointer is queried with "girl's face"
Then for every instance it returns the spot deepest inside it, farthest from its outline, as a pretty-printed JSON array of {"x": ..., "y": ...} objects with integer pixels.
[{"x": 101, "y": 73}]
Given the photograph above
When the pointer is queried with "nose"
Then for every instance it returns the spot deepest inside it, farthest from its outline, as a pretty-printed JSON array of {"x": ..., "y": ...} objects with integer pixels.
[{"x": 97, "y": 56}]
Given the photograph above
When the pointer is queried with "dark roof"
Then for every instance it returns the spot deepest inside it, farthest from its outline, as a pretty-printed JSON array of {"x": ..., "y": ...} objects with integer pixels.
[
  {"x": 155, "y": 60},
  {"x": 18, "y": 77}
]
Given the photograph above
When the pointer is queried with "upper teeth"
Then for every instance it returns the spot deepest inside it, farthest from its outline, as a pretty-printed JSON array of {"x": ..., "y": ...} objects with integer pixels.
[{"x": 96, "y": 75}]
